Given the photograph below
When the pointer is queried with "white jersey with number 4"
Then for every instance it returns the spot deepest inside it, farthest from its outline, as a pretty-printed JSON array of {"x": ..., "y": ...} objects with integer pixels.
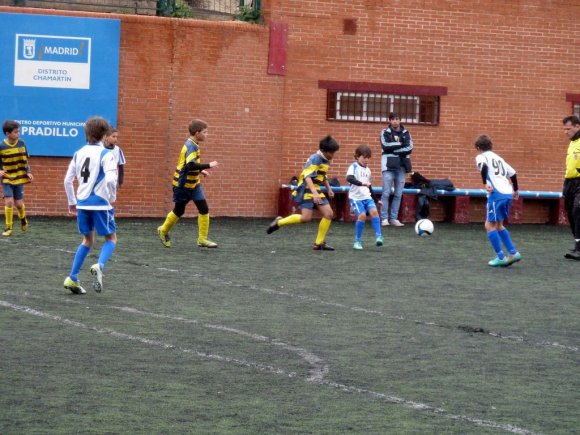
[
  {"x": 498, "y": 172},
  {"x": 95, "y": 169}
]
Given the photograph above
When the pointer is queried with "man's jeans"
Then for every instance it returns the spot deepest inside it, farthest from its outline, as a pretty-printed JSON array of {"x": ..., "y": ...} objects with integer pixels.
[{"x": 392, "y": 179}]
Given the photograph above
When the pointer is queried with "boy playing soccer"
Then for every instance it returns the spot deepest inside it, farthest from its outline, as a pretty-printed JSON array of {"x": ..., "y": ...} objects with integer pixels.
[
  {"x": 95, "y": 170},
  {"x": 308, "y": 194},
  {"x": 14, "y": 173},
  {"x": 187, "y": 186},
  {"x": 360, "y": 198},
  {"x": 496, "y": 174}
]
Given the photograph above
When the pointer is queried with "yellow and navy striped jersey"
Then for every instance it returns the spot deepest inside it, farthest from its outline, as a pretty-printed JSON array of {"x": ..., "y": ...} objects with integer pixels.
[
  {"x": 573, "y": 160},
  {"x": 316, "y": 167},
  {"x": 182, "y": 177},
  {"x": 14, "y": 162}
]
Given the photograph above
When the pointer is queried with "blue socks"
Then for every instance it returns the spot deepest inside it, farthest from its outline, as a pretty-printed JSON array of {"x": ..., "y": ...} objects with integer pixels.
[
  {"x": 106, "y": 252},
  {"x": 376, "y": 221},
  {"x": 507, "y": 241},
  {"x": 358, "y": 230},
  {"x": 495, "y": 241},
  {"x": 82, "y": 252}
]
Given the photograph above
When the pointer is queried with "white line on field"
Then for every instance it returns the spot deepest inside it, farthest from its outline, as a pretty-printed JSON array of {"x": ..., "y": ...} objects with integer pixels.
[
  {"x": 515, "y": 338},
  {"x": 265, "y": 368}
]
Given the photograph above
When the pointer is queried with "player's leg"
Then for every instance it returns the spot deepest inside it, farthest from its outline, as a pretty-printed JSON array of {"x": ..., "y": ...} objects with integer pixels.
[
  {"x": 203, "y": 225},
  {"x": 180, "y": 197},
  {"x": 491, "y": 225},
  {"x": 360, "y": 212},
  {"x": 305, "y": 206},
  {"x": 85, "y": 227},
  {"x": 399, "y": 183},
  {"x": 574, "y": 217},
  {"x": 376, "y": 222},
  {"x": 388, "y": 178},
  {"x": 7, "y": 190},
  {"x": 327, "y": 214},
  {"x": 106, "y": 227},
  {"x": 19, "y": 203}
]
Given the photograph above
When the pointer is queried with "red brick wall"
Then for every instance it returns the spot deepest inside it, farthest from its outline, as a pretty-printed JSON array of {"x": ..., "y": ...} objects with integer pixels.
[{"x": 507, "y": 65}]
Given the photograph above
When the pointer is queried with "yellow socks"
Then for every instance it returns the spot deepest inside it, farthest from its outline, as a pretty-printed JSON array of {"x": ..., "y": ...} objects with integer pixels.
[
  {"x": 21, "y": 212},
  {"x": 203, "y": 226},
  {"x": 293, "y": 219},
  {"x": 9, "y": 214},
  {"x": 170, "y": 221},
  {"x": 322, "y": 230}
]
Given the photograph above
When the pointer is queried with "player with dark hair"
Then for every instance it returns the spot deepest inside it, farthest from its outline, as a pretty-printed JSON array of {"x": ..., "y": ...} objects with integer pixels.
[
  {"x": 95, "y": 169},
  {"x": 111, "y": 142},
  {"x": 14, "y": 174},
  {"x": 308, "y": 194},
  {"x": 187, "y": 186},
  {"x": 571, "y": 189},
  {"x": 360, "y": 196},
  {"x": 496, "y": 175}
]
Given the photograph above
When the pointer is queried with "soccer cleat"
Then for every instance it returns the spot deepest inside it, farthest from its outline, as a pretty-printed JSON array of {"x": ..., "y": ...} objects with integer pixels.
[
  {"x": 385, "y": 223},
  {"x": 496, "y": 262},
  {"x": 396, "y": 223},
  {"x": 357, "y": 245},
  {"x": 574, "y": 255},
  {"x": 73, "y": 286},
  {"x": 206, "y": 243},
  {"x": 164, "y": 237},
  {"x": 322, "y": 247},
  {"x": 23, "y": 224},
  {"x": 97, "y": 277},
  {"x": 379, "y": 241},
  {"x": 514, "y": 258},
  {"x": 7, "y": 232},
  {"x": 274, "y": 225}
]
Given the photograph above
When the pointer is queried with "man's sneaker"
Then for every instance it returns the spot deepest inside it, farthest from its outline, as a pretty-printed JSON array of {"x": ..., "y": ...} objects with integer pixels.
[
  {"x": 496, "y": 262},
  {"x": 322, "y": 247},
  {"x": 574, "y": 255},
  {"x": 97, "y": 277},
  {"x": 357, "y": 246},
  {"x": 7, "y": 232},
  {"x": 396, "y": 223},
  {"x": 514, "y": 258},
  {"x": 164, "y": 237},
  {"x": 274, "y": 225},
  {"x": 379, "y": 241},
  {"x": 74, "y": 286},
  {"x": 385, "y": 223},
  {"x": 24, "y": 224},
  {"x": 206, "y": 243}
]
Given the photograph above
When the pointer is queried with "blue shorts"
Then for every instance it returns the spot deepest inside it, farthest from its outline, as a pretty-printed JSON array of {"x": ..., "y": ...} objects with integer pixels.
[
  {"x": 181, "y": 194},
  {"x": 101, "y": 220},
  {"x": 15, "y": 191},
  {"x": 360, "y": 206},
  {"x": 498, "y": 209}
]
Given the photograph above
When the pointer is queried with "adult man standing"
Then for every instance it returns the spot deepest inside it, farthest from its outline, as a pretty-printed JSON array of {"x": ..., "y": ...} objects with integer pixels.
[
  {"x": 395, "y": 162},
  {"x": 571, "y": 189}
]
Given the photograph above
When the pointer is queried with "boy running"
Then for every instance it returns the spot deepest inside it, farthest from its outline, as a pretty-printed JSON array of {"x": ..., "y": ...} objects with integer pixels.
[
  {"x": 308, "y": 194},
  {"x": 360, "y": 197},
  {"x": 95, "y": 170}
]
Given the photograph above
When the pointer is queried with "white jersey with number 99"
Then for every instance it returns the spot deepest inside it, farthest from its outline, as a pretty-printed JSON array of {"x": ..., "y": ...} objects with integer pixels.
[{"x": 498, "y": 171}]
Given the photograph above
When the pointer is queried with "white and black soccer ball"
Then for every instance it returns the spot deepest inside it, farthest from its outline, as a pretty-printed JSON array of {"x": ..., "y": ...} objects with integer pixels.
[{"x": 424, "y": 227}]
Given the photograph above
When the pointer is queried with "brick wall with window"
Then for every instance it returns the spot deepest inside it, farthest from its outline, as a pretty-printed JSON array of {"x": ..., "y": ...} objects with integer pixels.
[{"x": 455, "y": 69}]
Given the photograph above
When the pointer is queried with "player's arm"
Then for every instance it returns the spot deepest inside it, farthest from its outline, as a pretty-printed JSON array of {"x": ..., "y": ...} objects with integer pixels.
[
  {"x": 312, "y": 188},
  {"x": 387, "y": 144},
  {"x": 68, "y": 185},
  {"x": 406, "y": 145},
  {"x": 352, "y": 180},
  {"x": 514, "y": 179},
  {"x": 483, "y": 170},
  {"x": 121, "y": 175}
]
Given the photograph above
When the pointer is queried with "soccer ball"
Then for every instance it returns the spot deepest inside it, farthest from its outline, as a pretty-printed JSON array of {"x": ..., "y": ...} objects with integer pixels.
[{"x": 424, "y": 227}]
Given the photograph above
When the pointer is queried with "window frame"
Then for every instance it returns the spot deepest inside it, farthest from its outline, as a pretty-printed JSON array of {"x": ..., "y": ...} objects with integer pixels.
[{"x": 397, "y": 96}]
